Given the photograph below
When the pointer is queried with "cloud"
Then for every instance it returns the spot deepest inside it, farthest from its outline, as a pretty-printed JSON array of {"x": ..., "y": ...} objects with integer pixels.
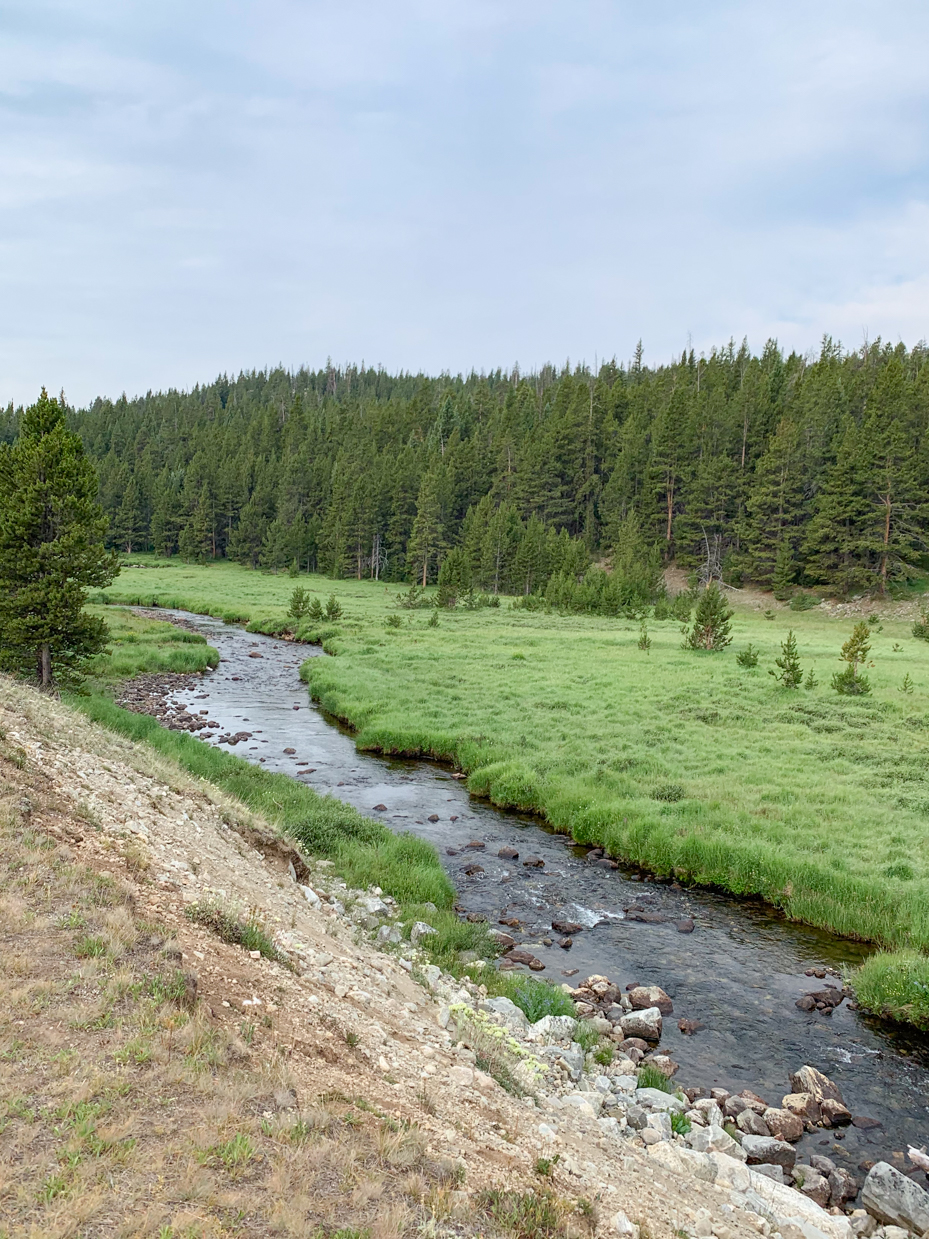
[{"x": 195, "y": 188}]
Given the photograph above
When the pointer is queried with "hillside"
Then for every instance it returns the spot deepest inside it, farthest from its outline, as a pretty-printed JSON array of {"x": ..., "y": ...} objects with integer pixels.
[{"x": 158, "y": 1080}]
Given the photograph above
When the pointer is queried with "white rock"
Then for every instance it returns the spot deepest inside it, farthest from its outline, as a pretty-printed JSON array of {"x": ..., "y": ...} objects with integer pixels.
[
  {"x": 555, "y": 1027},
  {"x": 624, "y": 1084},
  {"x": 655, "y": 1099},
  {"x": 661, "y": 1123},
  {"x": 714, "y": 1139},
  {"x": 419, "y": 931},
  {"x": 463, "y": 1077},
  {"x": 894, "y": 1199},
  {"x": 591, "y": 1102},
  {"x": 645, "y": 1024},
  {"x": 374, "y": 906},
  {"x": 513, "y": 1017},
  {"x": 681, "y": 1161},
  {"x": 406, "y": 964},
  {"x": 431, "y": 974},
  {"x": 602, "y": 1084},
  {"x": 547, "y": 1132},
  {"x": 622, "y": 1226}
]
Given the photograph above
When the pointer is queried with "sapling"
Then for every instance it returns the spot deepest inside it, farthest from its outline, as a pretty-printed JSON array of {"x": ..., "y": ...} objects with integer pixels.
[
  {"x": 854, "y": 653},
  {"x": 791, "y": 673},
  {"x": 747, "y": 657},
  {"x": 907, "y": 685},
  {"x": 711, "y": 630},
  {"x": 645, "y": 641}
]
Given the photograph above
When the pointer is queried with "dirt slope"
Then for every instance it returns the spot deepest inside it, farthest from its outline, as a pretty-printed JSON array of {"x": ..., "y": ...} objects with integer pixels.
[{"x": 157, "y": 1080}]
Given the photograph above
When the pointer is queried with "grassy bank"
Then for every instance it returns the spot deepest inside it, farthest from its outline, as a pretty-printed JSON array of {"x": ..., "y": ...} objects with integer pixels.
[
  {"x": 139, "y": 645},
  {"x": 682, "y": 762}
]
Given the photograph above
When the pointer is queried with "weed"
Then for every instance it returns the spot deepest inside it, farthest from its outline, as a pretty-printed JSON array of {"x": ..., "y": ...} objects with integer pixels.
[
  {"x": 529, "y": 1215},
  {"x": 245, "y": 933},
  {"x": 586, "y": 1036},
  {"x": 680, "y": 1124},
  {"x": 234, "y": 1154},
  {"x": 89, "y": 947},
  {"x": 545, "y": 1166},
  {"x": 650, "y": 1077}
]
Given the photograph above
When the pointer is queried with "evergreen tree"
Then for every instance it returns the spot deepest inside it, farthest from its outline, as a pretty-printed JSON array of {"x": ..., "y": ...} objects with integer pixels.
[
  {"x": 782, "y": 579},
  {"x": 711, "y": 630},
  {"x": 426, "y": 540},
  {"x": 854, "y": 654},
  {"x": 51, "y": 548},
  {"x": 790, "y": 672}
]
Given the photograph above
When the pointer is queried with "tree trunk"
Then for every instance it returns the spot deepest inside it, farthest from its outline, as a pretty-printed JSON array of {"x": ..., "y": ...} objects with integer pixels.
[
  {"x": 887, "y": 506},
  {"x": 45, "y": 667},
  {"x": 425, "y": 569}
]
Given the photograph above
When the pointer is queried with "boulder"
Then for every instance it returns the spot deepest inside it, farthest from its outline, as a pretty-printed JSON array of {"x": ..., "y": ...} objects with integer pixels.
[
  {"x": 812, "y": 1184},
  {"x": 513, "y": 1017},
  {"x": 508, "y": 854},
  {"x": 714, "y": 1139},
  {"x": 645, "y": 996},
  {"x": 820, "y": 1087},
  {"x": 567, "y": 927},
  {"x": 894, "y": 1199},
  {"x": 419, "y": 931},
  {"x": 655, "y": 1099},
  {"x": 804, "y": 1106},
  {"x": 373, "y": 906},
  {"x": 734, "y": 1106},
  {"x": 556, "y": 1027},
  {"x": 645, "y": 1024},
  {"x": 682, "y": 1162},
  {"x": 752, "y": 1124},
  {"x": 661, "y": 1062},
  {"x": 534, "y": 862},
  {"x": 783, "y": 1125},
  {"x": 842, "y": 1187},
  {"x": 835, "y": 1113},
  {"x": 771, "y": 1172},
  {"x": 765, "y": 1149}
]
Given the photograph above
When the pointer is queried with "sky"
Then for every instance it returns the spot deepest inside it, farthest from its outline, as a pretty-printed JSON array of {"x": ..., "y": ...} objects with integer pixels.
[{"x": 203, "y": 187}]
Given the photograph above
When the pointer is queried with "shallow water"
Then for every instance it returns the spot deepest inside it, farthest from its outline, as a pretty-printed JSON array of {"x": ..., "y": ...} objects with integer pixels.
[{"x": 739, "y": 973}]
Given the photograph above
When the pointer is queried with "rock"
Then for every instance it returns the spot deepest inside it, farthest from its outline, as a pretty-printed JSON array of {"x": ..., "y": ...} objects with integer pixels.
[
  {"x": 812, "y": 1184},
  {"x": 566, "y": 943},
  {"x": 894, "y": 1199},
  {"x": 508, "y": 854},
  {"x": 835, "y": 1113},
  {"x": 567, "y": 927},
  {"x": 714, "y": 1139},
  {"x": 655, "y": 1099},
  {"x": 772, "y": 1172},
  {"x": 431, "y": 975},
  {"x": 507, "y": 941},
  {"x": 710, "y": 1111},
  {"x": 476, "y": 845},
  {"x": 571, "y": 1060},
  {"x": 461, "y": 1077},
  {"x": 752, "y": 1124},
  {"x": 518, "y": 955},
  {"x": 471, "y": 871},
  {"x": 865, "y": 1124},
  {"x": 820, "y": 1087},
  {"x": 586, "y": 1103},
  {"x": 784, "y": 1208},
  {"x": 646, "y": 918},
  {"x": 659, "y": 1123},
  {"x": 636, "y": 1117},
  {"x": 512, "y": 1016},
  {"x": 311, "y": 897},
  {"x": 645, "y": 1024},
  {"x": 536, "y": 965},
  {"x": 622, "y": 1226},
  {"x": 783, "y": 1125},
  {"x": 842, "y": 1186},
  {"x": 433, "y": 817},
  {"x": 734, "y": 1106},
  {"x": 685, "y": 926},
  {"x": 633, "y": 1043},
  {"x": 419, "y": 931},
  {"x": 896, "y": 1232},
  {"x": 255, "y": 654},
  {"x": 288, "y": 751},
  {"x": 378, "y": 808},
  {"x": 825, "y": 1165},
  {"x": 689, "y": 1027},
  {"x": 804, "y": 1106},
  {"x": 682, "y": 1162},
  {"x": 806, "y": 1003},
  {"x": 477, "y": 918},
  {"x": 765, "y": 1149},
  {"x": 534, "y": 862},
  {"x": 374, "y": 906},
  {"x": 663, "y": 1063},
  {"x": 863, "y": 1224},
  {"x": 388, "y": 934},
  {"x": 645, "y": 996}
]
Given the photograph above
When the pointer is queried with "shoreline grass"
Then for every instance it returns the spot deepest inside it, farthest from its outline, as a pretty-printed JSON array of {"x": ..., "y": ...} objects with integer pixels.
[{"x": 817, "y": 803}]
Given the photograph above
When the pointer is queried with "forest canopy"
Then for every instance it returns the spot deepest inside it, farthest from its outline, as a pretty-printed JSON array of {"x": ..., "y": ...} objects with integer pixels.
[{"x": 781, "y": 470}]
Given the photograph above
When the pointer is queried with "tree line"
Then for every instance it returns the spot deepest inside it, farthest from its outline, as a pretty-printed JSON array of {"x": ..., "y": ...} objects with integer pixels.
[{"x": 783, "y": 470}]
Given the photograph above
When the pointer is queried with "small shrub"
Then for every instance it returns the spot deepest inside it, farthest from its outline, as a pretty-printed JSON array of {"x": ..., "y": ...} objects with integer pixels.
[
  {"x": 803, "y": 602},
  {"x": 670, "y": 792},
  {"x": 682, "y": 606},
  {"x": 662, "y": 609},
  {"x": 394, "y": 621},
  {"x": 545, "y": 1166},
  {"x": 769, "y": 614},
  {"x": 855, "y": 651},
  {"x": 315, "y": 611},
  {"x": 604, "y": 1053},
  {"x": 921, "y": 626},
  {"x": 412, "y": 599},
  {"x": 907, "y": 685},
  {"x": 712, "y": 629},
  {"x": 747, "y": 657},
  {"x": 536, "y": 999},
  {"x": 645, "y": 641},
  {"x": 586, "y": 1036},
  {"x": 650, "y": 1077},
  {"x": 811, "y": 681},
  {"x": 434, "y": 620}
]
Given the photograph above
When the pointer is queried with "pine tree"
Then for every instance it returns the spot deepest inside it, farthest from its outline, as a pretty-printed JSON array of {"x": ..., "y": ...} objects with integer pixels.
[
  {"x": 782, "y": 579},
  {"x": 854, "y": 653},
  {"x": 51, "y": 548},
  {"x": 791, "y": 673},
  {"x": 711, "y": 630},
  {"x": 426, "y": 540}
]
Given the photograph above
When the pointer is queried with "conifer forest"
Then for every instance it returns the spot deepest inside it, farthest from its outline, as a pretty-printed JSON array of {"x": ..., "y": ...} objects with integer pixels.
[{"x": 779, "y": 470}]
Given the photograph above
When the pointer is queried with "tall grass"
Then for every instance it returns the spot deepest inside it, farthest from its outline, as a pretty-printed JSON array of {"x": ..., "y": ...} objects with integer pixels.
[
  {"x": 138, "y": 645},
  {"x": 896, "y": 985}
]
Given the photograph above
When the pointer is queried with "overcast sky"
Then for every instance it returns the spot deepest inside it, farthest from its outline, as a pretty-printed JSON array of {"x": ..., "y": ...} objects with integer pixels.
[{"x": 187, "y": 188}]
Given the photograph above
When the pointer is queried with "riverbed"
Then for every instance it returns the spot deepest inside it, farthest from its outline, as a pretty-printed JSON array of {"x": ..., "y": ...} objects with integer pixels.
[{"x": 738, "y": 974}]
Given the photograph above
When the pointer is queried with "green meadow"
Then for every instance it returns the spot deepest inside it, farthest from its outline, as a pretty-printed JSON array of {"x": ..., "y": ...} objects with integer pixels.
[{"x": 683, "y": 762}]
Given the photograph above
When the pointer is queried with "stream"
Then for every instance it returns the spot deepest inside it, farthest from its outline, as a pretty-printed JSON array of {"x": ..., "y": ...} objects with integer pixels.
[{"x": 739, "y": 973}]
